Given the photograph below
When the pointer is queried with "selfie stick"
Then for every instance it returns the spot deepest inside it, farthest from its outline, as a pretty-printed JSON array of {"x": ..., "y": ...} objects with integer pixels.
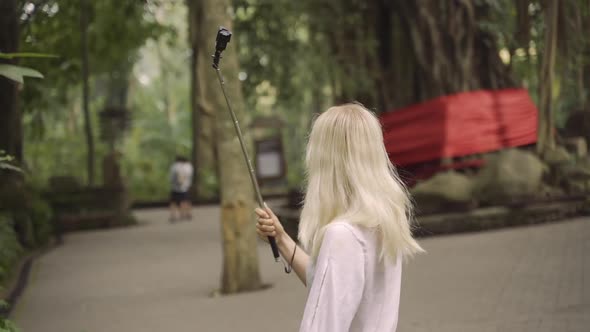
[{"x": 223, "y": 37}]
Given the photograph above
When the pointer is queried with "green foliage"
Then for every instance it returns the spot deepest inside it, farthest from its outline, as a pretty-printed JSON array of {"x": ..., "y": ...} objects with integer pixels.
[
  {"x": 10, "y": 250},
  {"x": 289, "y": 68},
  {"x": 34, "y": 223},
  {"x": 523, "y": 41},
  {"x": 160, "y": 100},
  {"x": 284, "y": 66},
  {"x": 9, "y": 56},
  {"x": 24, "y": 227},
  {"x": 41, "y": 214},
  {"x": 273, "y": 52},
  {"x": 116, "y": 30},
  {"x": 18, "y": 73},
  {"x": 53, "y": 119},
  {"x": 154, "y": 136},
  {"x": 6, "y": 325},
  {"x": 59, "y": 150},
  {"x": 29, "y": 213},
  {"x": 5, "y": 162}
]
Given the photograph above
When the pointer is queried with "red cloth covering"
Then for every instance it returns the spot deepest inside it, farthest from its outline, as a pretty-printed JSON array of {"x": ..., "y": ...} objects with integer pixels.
[{"x": 459, "y": 125}]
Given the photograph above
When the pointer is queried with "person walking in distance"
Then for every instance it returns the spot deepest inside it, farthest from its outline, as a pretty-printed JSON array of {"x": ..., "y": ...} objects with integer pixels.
[
  {"x": 355, "y": 226},
  {"x": 181, "y": 175}
]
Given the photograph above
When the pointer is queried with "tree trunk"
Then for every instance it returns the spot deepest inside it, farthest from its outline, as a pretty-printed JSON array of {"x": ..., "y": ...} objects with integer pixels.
[
  {"x": 204, "y": 152},
  {"x": 167, "y": 97},
  {"x": 10, "y": 116},
  {"x": 240, "y": 256},
  {"x": 452, "y": 52},
  {"x": 193, "y": 21},
  {"x": 584, "y": 68},
  {"x": 391, "y": 54},
  {"x": 85, "y": 97},
  {"x": 546, "y": 139},
  {"x": 577, "y": 66},
  {"x": 118, "y": 87}
]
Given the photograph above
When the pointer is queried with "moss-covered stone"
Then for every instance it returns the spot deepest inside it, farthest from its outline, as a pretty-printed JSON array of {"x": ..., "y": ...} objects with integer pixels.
[
  {"x": 510, "y": 176},
  {"x": 577, "y": 146},
  {"x": 557, "y": 156},
  {"x": 449, "y": 191},
  {"x": 574, "y": 177}
]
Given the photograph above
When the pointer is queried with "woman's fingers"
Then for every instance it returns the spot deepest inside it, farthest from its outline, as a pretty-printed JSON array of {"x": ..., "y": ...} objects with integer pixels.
[
  {"x": 265, "y": 228},
  {"x": 261, "y": 213},
  {"x": 269, "y": 211},
  {"x": 265, "y": 235},
  {"x": 267, "y": 222}
]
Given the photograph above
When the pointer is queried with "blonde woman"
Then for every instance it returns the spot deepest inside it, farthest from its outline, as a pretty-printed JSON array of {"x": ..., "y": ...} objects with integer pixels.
[{"x": 354, "y": 227}]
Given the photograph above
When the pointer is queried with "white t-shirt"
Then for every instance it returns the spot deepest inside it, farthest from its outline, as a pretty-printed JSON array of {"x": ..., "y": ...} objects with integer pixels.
[
  {"x": 181, "y": 176},
  {"x": 350, "y": 288}
]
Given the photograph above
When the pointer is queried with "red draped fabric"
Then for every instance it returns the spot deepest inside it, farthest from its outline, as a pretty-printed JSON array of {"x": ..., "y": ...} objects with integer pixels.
[{"x": 459, "y": 125}]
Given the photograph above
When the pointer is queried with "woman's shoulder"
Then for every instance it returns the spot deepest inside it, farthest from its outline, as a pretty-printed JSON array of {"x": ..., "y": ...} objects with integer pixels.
[{"x": 345, "y": 231}]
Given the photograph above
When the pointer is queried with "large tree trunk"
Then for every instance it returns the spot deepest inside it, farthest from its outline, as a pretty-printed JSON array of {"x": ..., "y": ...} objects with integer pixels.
[
  {"x": 389, "y": 54},
  {"x": 546, "y": 139},
  {"x": 85, "y": 92},
  {"x": 195, "y": 124},
  {"x": 240, "y": 256},
  {"x": 10, "y": 116},
  {"x": 204, "y": 153},
  {"x": 167, "y": 97},
  {"x": 453, "y": 53},
  {"x": 584, "y": 68}
]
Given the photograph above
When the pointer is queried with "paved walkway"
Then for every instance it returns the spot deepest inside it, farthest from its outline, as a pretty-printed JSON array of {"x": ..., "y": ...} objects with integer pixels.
[{"x": 157, "y": 277}]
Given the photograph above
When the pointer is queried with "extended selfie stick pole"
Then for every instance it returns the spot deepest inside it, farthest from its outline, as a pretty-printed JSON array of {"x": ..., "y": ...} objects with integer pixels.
[{"x": 223, "y": 37}]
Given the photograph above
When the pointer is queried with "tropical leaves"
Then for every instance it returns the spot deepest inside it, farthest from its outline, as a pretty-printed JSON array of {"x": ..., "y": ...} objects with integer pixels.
[
  {"x": 5, "y": 162},
  {"x": 6, "y": 325},
  {"x": 18, "y": 73}
]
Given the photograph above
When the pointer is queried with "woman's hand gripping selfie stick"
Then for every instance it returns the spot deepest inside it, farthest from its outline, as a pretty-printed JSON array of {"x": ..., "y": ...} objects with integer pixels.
[{"x": 223, "y": 37}]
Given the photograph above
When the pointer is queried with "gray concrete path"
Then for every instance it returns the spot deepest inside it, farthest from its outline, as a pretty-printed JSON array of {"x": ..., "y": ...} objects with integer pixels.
[{"x": 157, "y": 277}]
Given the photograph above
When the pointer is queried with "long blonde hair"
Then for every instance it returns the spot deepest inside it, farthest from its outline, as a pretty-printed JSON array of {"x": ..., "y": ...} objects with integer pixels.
[{"x": 350, "y": 177}]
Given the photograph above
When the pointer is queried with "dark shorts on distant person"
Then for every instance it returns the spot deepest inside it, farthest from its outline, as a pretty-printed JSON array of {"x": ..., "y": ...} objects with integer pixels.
[{"x": 178, "y": 197}]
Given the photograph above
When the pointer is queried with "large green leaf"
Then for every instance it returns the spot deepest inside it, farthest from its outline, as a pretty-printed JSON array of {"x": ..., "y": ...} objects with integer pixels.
[
  {"x": 17, "y": 73},
  {"x": 4, "y": 159},
  {"x": 10, "y": 167}
]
